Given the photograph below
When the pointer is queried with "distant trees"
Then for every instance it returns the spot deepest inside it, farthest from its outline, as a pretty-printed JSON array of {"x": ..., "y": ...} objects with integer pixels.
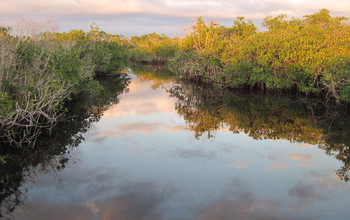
[
  {"x": 109, "y": 53},
  {"x": 153, "y": 48}
]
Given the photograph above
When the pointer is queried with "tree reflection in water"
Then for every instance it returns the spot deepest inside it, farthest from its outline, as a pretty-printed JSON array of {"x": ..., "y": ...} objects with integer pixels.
[
  {"x": 268, "y": 116},
  {"x": 205, "y": 110},
  {"x": 51, "y": 151}
]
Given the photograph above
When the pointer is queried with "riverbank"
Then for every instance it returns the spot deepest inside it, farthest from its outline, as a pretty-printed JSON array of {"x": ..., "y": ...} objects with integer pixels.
[
  {"x": 39, "y": 73},
  {"x": 147, "y": 151},
  {"x": 309, "y": 55}
]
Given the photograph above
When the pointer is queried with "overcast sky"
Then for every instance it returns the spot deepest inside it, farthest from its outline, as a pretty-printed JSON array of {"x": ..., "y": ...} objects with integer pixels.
[{"x": 137, "y": 17}]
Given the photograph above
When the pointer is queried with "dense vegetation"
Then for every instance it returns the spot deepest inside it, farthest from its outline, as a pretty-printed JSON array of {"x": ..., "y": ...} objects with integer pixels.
[
  {"x": 39, "y": 72},
  {"x": 310, "y": 55},
  {"x": 45, "y": 76},
  {"x": 153, "y": 48}
]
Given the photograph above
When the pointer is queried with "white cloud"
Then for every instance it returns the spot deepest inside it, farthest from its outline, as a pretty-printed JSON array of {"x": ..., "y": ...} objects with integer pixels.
[
  {"x": 166, "y": 14},
  {"x": 217, "y": 8}
]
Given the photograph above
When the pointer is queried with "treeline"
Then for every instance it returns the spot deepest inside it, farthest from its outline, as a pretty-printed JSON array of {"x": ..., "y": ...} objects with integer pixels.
[
  {"x": 153, "y": 48},
  {"x": 309, "y": 55},
  {"x": 40, "y": 71}
]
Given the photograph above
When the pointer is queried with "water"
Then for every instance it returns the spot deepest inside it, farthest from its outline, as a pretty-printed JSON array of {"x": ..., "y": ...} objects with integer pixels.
[{"x": 171, "y": 150}]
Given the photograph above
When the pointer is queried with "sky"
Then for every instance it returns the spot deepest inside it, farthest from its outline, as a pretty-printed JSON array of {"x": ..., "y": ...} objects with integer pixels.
[{"x": 171, "y": 17}]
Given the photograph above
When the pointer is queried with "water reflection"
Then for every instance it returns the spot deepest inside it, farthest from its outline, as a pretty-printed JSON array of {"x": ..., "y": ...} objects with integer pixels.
[
  {"x": 276, "y": 117},
  {"x": 52, "y": 149},
  {"x": 142, "y": 100},
  {"x": 179, "y": 151},
  {"x": 157, "y": 75}
]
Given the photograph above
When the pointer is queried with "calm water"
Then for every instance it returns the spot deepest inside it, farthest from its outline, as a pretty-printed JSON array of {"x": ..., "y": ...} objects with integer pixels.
[{"x": 169, "y": 150}]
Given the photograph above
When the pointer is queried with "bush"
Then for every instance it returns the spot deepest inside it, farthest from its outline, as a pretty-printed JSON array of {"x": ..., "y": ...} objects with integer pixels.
[
  {"x": 309, "y": 55},
  {"x": 39, "y": 73}
]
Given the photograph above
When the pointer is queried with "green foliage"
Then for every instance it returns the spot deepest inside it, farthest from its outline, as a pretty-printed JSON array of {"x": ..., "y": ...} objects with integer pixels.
[
  {"x": 309, "y": 55},
  {"x": 188, "y": 64},
  {"x": 153, "y": 48},
  {"x": 2, "y": 159},
  {"x": 107, "y": 53},
  {"x": 5, "y": 32},
  {"x": 7, "y": 105},
  {"x": 109, "y": 57},
  {"x": 39, "y": 73},
  {"x": 345, "y": 93}
]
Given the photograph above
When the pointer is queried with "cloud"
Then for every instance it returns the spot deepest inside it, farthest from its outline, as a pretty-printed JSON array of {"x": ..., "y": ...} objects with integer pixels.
[
  {"x": 135, "y": 17},
  {"x": 69, "y": 7},
  {"x": 278, "y": 162},
  {"x": 137, "y": 202},
  {"x": 304, "y": 158},
  {"x": 240, "y": 202},
  {"x": 128, "y": 129},
  {"x": 282, "y": 162},
  {"x": 218, "y": 8},
  {"x": 244, "y": 208},
  {"x": 315, "y": 187},
  {"x": 278, "y": 166},
  {"x": 55, "y": 212},
  {"x": 101, "y": 194},
  {"x": 240, "y": 164},
  {"x": 195, "y": 153},
  {"x": 134, "y": 201}
]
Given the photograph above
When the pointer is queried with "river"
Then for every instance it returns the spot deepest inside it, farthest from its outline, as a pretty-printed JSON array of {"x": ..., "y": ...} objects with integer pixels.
[{"x": 168, "y": 150}]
